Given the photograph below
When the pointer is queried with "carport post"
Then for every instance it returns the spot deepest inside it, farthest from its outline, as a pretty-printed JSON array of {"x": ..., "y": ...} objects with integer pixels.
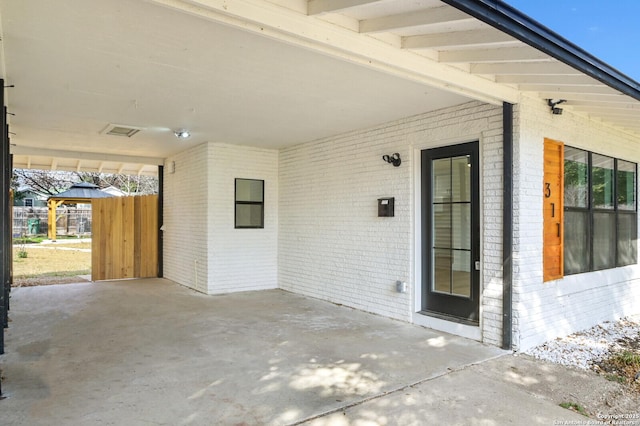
[
  {"x": 5, "y": 228},
  {"x": 52, "y": 208},
  {"x": 160, "y": 217}
]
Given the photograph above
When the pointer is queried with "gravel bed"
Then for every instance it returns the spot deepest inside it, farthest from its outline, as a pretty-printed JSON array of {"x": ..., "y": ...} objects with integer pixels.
[{"x": 589, "y": 347}]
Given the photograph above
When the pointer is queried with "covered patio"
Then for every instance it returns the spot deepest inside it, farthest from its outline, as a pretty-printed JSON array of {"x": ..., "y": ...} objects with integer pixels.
[
  {"x": 306, "y": 99},
  {"x": 153, "y": 352}
]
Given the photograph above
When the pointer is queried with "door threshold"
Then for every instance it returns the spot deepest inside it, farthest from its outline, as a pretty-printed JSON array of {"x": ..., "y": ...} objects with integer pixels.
[
  {"x": 449, "y": 318},
  {"x": 457, "y": 328}
]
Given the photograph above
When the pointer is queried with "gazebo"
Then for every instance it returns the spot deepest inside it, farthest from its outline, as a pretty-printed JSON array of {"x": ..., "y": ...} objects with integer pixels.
[{"x": 79, "y": 193}]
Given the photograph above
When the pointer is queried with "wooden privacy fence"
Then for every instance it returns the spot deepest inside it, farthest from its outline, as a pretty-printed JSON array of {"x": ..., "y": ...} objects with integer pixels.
[{"x": 124, "y": 237}]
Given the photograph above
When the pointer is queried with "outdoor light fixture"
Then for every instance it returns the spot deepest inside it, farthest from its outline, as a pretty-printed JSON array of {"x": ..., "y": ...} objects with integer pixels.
[
  {"x": 182, "y": 134},
  {"x": 393, "y": 159},
  {"x": 552, "y": 104}
]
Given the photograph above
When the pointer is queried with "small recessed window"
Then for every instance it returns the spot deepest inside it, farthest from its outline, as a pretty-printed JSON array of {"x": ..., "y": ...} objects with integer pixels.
[{"x": 249, "y": 203}]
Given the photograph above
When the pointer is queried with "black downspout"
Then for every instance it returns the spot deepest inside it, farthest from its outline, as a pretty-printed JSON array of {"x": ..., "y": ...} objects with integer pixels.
[
  {"x": 160, "y": 218},
  {"x": 507, "y": 225}
]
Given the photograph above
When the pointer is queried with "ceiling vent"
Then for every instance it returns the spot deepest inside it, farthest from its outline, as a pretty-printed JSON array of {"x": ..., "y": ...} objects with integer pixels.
[{"x": 120, "y": 130}]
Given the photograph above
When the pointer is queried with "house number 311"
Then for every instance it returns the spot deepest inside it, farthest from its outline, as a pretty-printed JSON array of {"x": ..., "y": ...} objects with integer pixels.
[{"x": 547, "y": 194}]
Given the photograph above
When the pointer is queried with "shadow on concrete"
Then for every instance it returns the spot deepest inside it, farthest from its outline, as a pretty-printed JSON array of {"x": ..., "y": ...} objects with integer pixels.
[{"x": 150, "y": 351}]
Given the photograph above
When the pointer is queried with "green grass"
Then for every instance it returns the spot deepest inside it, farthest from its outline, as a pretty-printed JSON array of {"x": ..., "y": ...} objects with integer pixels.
[
  {"x": 29, "y": 240},
  {"x": 574, "y": 407},
  {"x": 628, "y": 358},
  {"x": 37, "y": 239},
  {"x": 615, "y": 378},
  {"x": 622, "y": 367},
  {"x": 52, "y": 262}
]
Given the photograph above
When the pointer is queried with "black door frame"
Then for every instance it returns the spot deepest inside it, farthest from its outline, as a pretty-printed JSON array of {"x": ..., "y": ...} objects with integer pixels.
[{"x": 454, "y": 308}]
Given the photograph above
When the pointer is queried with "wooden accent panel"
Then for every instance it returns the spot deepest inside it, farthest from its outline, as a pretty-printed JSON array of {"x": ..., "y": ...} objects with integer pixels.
[
  {"x": 553, "y": 210},
  {"x": 146, "y": 237},
  {"x": 124, "y": 237}
]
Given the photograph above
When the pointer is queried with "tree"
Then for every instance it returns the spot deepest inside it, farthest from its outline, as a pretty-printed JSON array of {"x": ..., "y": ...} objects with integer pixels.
[
  {"x": 43, "y": 182},
  {"x": 15, "y": 186},
  {"x": 54, "y": 182},
  {"x": 133, "y": 185}
]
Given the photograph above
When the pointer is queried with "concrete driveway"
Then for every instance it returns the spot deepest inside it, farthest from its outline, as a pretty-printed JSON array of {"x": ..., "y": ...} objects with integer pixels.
[{"x": 145, "y": 352}]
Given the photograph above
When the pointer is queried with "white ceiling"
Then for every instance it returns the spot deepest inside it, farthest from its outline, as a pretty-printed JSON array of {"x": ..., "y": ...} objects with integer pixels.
[
  {"x": 253, "y": 72},
  {"x": 79, "y": 65}
]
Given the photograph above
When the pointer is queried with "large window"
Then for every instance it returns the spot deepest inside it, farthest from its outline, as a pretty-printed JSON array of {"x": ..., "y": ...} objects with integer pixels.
[{"x": 600, "y": 222}]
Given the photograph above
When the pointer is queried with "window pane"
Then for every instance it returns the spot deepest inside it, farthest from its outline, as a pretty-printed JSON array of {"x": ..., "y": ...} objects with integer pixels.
[
  {"x": 626, "y": 181},
  {"x": 461, "y": 178},
  {"x": 575, "y": 177},
  {"x": 249, "y": 216},
  {"x": 602, "y": 181},
  {"x": 461, "y": 273},
  {"x": 249, "y": 190},
  {"x": 441, "y": 171},
  {"x": 627, "y": 239},
  {"x": 576, "y": 242},
  {"x": 461, "y": 218},
  {"x": 441, "y": 271},
  {"x": 442, "y": 225},
  {"x": 604, "y": 240}
]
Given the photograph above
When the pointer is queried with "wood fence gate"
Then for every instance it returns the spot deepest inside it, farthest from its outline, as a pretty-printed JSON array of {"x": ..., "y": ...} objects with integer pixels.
[{"x": 124, "y": 237}]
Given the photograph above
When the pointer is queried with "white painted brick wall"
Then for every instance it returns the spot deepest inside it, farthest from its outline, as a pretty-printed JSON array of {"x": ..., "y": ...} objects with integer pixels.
[
  {"x": 202, "y": 249},
  {"x": 491, "y": 243},
  {"x": 241, "y": 259},
  {"x": 185, "y": 219},
  {"x": 324, "y": 239},
  {"x": 333, "y": 246},
  {"x": 544, "y": 311}
]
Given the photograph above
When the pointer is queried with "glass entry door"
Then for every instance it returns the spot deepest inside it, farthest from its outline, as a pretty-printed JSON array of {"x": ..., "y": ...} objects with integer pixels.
[{"x": 451, "y": 232}]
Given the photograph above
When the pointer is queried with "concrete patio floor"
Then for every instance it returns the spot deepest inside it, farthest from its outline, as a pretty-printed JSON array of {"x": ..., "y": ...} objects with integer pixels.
[{"x": 149, "y": 351}]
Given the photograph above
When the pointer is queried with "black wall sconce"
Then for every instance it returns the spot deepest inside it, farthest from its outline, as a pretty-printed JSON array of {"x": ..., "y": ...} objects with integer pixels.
[
  {"x": 552, "y": 104},
  {"x": 393, "y": 159}
]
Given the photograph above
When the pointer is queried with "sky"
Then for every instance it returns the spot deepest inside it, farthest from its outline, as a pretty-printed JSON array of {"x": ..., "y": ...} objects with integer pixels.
[{"x": 608, "y": 29}]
